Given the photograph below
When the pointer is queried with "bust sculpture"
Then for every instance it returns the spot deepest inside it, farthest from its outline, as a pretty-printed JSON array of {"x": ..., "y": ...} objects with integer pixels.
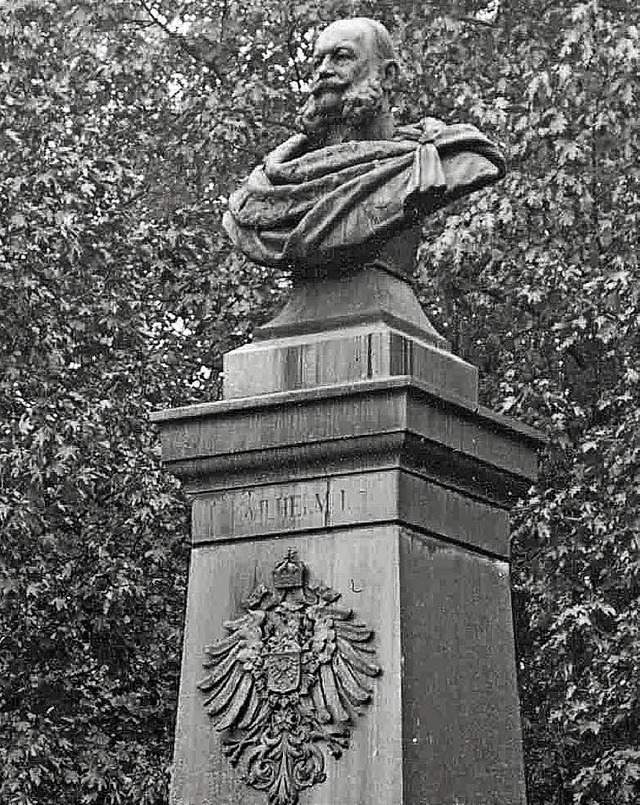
[{"x": 340, "y": 191}]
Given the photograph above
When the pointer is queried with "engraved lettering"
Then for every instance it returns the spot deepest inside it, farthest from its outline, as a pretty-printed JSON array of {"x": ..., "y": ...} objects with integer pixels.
[
  {"x": 321, "y": 502},
  {"x": 275, "y": 507},
  {"x": 280, "y": 507},
  {"x": 317, "y": 503},
  {"x": 296, "y": 505},
  {"x": 248, "y": 512}
]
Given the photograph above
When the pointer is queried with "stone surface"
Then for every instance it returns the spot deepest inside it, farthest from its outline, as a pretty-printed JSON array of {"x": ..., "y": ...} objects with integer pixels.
[
  {"x": 370, "y": 296},
  {"x": 289, "y": 680},
  {"x": 390, "y": 421},
  {"x": 344, "y": 356},
  {"x": 443, "y": 724},
  {"x": 396, "y": 495},
  {"x": 460, "y": 715},
  {"x": 221, "y": 576},
  {"x": 331, "y": 502}
]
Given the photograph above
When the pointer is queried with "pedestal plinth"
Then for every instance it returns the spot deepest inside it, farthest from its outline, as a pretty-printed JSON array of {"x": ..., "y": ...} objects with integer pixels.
[{"x": 393, "y": 490}]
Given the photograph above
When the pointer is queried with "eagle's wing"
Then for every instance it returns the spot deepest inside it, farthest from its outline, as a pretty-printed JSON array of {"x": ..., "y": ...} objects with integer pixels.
[
  {"x": 232, "y": 696},
  {"x": 346, "y": 664}
]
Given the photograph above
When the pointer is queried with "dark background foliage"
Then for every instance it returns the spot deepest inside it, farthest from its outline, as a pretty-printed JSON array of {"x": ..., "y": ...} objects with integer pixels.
[{"x": 124, "y": 126}]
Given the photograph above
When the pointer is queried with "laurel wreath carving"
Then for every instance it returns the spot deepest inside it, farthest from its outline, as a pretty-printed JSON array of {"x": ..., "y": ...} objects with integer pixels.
[{"x": 287, "y": 681}]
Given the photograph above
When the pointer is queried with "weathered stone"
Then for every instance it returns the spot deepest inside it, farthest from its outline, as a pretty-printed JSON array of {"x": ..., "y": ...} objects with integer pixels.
[
  {"x": 270, "y": 434},
  {"x": 344, "y": 356},
  {"x": 368, "y": 296},
  {"x": 460, "y": 714},
  {"x": 411, "y": 528},
  {"x": 352, "y": 439}
]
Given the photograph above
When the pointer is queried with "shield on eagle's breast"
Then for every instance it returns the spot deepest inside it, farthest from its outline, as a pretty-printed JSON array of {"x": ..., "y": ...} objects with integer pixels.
[{"x": 283, "y": 671}]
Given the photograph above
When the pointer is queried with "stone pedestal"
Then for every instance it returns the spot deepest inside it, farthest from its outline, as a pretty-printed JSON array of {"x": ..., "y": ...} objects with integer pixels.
[{"x": 364, "y": 451}]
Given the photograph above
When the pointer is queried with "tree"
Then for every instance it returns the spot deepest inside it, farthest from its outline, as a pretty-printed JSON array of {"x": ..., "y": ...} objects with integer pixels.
[{"x": 125, "y": 125}]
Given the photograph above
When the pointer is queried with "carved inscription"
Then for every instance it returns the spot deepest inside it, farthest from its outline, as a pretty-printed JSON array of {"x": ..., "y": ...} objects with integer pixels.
[
  {"x": 286, "y": 506},
  {"x": 321, "y": 503}
]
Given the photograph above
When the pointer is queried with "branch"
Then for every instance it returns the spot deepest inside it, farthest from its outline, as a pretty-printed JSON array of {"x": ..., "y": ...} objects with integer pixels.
[
  {"x": 499, "y": 296},
  {"x": 475, "y": 21},
  {"x": 135, "y": 196},
  {"x": 182, "y": 43},
  {"x": 223, "y": 19},
  {"x": 138, "y": 23},
  {"x": 293, "y": 59}
]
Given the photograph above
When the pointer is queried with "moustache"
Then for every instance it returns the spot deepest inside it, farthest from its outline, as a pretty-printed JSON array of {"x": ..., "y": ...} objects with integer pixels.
[{"x": 328, "y": 84}]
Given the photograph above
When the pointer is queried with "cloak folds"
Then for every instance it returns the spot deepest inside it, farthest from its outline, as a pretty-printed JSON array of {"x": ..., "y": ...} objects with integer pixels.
[{"x": 311, "y": 207}]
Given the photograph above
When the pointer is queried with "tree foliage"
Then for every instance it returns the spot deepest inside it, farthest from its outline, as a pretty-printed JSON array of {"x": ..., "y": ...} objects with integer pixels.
[{"x": 125, "y": 124}]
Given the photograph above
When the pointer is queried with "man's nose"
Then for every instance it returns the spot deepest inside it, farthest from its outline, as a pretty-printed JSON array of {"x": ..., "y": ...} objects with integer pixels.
[{"x": 325, "y": 68}]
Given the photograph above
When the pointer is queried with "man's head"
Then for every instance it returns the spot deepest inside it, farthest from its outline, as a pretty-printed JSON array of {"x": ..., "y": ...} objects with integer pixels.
[{"x": 354, "y": 73}]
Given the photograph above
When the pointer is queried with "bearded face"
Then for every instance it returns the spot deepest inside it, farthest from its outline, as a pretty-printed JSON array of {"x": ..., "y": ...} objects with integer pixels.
[
  {"x": 354, "y": 71},
  {"x": 333, "y": 103}
]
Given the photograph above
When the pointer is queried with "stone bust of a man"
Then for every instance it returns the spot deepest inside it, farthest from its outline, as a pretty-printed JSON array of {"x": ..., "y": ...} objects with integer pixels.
[
  {"x": 355, "y": 71},
  {"x": 352, "y": 180}
]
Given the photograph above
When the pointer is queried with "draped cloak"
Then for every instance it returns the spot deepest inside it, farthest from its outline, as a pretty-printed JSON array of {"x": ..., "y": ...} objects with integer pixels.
[{"x": 306, "y": 207}]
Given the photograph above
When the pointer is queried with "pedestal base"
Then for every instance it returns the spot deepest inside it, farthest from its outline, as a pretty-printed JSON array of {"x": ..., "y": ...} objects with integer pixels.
[
  {"x": 364, "y": 296},
  {"x": 395, "y": 494},
  {"x": 443, "y": 723},
  {"x": 354, "y": 438},
  {"x": 347, "y": 355}
]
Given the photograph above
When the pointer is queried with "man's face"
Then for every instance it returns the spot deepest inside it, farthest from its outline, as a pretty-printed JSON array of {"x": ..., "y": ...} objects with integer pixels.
[
  {"x": 348, "y": 87},
  {"x": 344, "y": 56}
]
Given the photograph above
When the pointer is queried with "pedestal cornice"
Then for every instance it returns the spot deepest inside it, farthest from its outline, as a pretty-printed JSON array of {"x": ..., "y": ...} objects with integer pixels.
[{"x": 366, "y": 426}]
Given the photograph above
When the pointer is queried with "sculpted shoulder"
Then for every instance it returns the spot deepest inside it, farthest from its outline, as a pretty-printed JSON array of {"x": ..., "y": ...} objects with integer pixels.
[{"x": 352, "y": 179}]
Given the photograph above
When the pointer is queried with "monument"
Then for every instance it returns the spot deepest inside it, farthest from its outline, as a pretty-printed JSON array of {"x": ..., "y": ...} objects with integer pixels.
[{"x": 349, "y": 633}]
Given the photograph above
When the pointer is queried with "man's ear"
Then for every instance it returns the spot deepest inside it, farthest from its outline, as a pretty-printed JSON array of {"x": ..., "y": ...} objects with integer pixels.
[{"x": 390, "y": 74}]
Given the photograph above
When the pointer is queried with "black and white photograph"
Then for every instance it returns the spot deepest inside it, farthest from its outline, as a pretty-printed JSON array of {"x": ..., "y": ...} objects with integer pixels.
[{"x": 319, "y": 402}]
